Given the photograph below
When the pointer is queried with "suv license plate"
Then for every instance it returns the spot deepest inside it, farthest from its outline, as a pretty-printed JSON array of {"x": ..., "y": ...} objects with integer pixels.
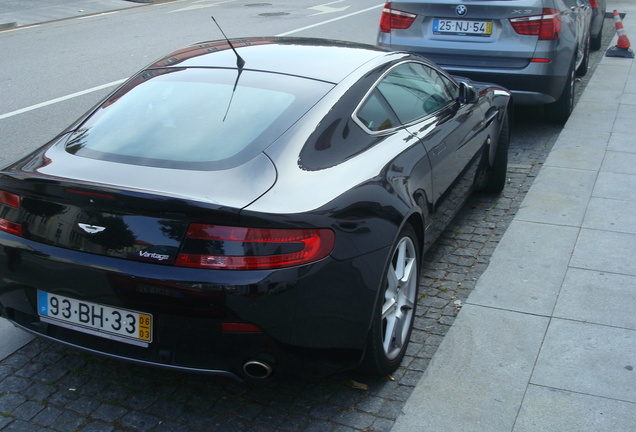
[
  {"x": 122, "y": 325},
  {"x": 462, "y": 27}
]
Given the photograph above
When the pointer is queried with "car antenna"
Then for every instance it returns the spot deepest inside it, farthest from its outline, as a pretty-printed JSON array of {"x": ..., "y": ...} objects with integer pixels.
[
  {"x": 239, "y": 64},
  {"x": 239, "y": 60}
]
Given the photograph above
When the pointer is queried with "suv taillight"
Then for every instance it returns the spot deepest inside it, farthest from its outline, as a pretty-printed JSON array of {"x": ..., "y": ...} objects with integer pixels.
[
  {"x": 238, "y": 248},
  {"x": 9, "y": 209},
  {"x": 594, "y": 4},
  {"x": 395, "y": 19},
  {"x": 546, "y": 26}
]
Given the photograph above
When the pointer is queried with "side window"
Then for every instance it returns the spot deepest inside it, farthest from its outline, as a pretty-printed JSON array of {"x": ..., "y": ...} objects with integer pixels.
[
  {"x": 414, "y": 90},
  {"x": 452, "y": 89},
  {"x": 376, "y": 114}
]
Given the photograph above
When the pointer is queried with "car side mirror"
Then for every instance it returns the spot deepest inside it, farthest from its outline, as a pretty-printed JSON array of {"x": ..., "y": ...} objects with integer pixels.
[{"x": 467, "y": 93}]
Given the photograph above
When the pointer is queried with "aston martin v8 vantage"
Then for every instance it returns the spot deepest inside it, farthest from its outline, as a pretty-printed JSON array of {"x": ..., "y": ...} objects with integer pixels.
[{"x": 248, "y": 208}]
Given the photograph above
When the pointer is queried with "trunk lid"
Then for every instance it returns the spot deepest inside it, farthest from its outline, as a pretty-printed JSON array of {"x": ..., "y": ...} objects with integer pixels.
[
  {"x": 475, "y": 34},
  {"x": 93, "y": 209}
]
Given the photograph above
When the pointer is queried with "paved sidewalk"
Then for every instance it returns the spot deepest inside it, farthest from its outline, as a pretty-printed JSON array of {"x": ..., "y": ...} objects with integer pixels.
[{"x": 547, "y": 340}]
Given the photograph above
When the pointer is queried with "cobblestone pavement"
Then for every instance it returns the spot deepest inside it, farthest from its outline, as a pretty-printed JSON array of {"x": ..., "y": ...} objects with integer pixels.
[{"x": 46, "y": 387}]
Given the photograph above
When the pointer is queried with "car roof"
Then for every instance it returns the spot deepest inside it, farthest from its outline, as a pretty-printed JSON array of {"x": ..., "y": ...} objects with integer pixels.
[{"x": 320, "y": 59}]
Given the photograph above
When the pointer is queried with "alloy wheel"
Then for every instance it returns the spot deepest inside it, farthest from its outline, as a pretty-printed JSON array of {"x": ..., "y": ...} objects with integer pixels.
[{"x": 399, "y": 298}]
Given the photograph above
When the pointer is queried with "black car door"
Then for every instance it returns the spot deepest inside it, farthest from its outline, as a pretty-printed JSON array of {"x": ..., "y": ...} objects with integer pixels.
[{"x": 425, "y": 100}]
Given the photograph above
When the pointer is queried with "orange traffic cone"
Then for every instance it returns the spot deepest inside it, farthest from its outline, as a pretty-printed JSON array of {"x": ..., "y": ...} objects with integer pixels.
[{"x": 622, "y": 48}]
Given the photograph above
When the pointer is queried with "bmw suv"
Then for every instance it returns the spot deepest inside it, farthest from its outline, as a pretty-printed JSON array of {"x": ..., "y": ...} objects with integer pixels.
[{"x": 533, "y": 47}]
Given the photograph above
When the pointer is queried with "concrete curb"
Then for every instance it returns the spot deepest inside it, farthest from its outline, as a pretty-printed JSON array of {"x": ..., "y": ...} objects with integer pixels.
[
  {"x": 12, "y": 338},
  {"x": 8, "y": 25}
]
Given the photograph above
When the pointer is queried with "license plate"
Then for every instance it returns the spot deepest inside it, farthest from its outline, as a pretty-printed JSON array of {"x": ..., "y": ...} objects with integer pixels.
[
  {"x": 462, "y": 27},
  {"x": 118, "y": 324}
]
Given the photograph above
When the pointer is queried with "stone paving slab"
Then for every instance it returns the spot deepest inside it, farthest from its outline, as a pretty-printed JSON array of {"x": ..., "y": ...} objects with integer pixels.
[
  {"x": 588, "y": 358},
  {"x": 624, "y": 125},
  {"x": 598, "y": 297},
  {"x": 598, "y": 117},
  {"x": 477, "y": 379},
  {"x": 605, "y": 251},
  {"x": 622, "y": 141},
  {"x": 558, "y": 196},
  {"x": 521, "y": 279},
  {"x": 621, "y": 162},
  {"x": 579, "y": 149},
  {"x": 615, "y": 186},
  {"x": 547, "y": 409},
  {"x": 610, "y": 215}
]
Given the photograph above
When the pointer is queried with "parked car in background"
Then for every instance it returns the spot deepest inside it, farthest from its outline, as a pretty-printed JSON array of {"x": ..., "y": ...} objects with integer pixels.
[
  {"x": 596, "y": 28},
  {"x": 249, "y": 216},
  {"x": 535, "y": 48}
]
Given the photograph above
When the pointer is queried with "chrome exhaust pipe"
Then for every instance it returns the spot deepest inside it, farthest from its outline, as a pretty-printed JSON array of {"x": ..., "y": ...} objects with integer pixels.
[{"x": 257, "y": 369}]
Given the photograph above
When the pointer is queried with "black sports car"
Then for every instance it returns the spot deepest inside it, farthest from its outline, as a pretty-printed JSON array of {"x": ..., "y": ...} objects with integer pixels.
[{"x": 248, "y": 207}]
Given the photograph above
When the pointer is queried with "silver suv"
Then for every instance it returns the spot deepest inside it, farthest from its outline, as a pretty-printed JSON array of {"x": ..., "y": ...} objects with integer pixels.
[{"x": 533, "y": 47}]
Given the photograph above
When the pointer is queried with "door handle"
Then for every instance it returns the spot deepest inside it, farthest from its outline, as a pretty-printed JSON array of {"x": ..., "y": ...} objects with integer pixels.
[{"x": 439, "y": 149}]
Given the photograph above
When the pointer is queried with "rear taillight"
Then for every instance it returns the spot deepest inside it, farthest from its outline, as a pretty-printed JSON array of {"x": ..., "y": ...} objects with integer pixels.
[
  {"x": 237, "y": 248},
  {"x": 9, "y": 211},
  {"x": 395, "y": 19},
  {"x": 546, "y": 26},
  {"x": 594, "y": 4}
]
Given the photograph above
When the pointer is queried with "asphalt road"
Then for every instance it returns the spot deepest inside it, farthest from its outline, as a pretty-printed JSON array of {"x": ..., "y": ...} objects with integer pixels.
[{"x": 54, "y": 72}]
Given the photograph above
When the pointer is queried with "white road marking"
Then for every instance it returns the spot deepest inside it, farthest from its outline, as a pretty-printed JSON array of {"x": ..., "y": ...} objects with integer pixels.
[
  {"x": 98, "y": 15},
  {"x": 201, "y": 6},
  {"x": 331, "y": 20},
  {"x": 61, "y": 99},
  {"x": 325, "y": 8},
  {"x": 21, "y": 28}
]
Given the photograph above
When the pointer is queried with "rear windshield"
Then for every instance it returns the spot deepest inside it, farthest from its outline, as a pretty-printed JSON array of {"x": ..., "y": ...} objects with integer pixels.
[{"x": 196, "y": 118}]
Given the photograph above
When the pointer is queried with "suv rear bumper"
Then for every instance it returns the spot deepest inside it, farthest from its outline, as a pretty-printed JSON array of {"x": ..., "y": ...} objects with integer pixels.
[
  {"x": 530, "y": 83},
  {"x": 534, "y": 84},
  {"x": 526, "y": 89}
]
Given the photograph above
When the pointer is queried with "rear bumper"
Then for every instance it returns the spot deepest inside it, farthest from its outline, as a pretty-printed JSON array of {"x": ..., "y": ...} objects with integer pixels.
[
  {"x": 531, "y": 83},
  {"x": 526, "y": 89},
  {"x": 314, "y": 319},
  {"x": 537, "y": 83}
]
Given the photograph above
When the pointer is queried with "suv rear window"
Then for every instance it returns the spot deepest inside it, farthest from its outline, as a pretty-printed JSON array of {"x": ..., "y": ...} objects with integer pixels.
[{"x": 197, "y": 118}]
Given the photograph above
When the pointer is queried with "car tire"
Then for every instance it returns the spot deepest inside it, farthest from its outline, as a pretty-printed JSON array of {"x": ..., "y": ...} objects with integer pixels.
[
  {"x": 558, "y": 112},
  {"x": 493, "y": 178},
  {"x": 596, "y": 41},
  {"x": 585, "y": 63},
  {"x": 395, "y": 310}
]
